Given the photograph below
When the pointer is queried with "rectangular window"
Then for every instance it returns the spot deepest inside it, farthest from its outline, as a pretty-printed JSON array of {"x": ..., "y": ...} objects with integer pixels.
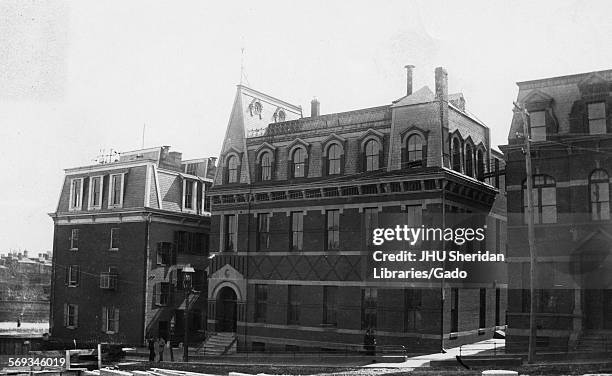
[
  {"x": 95, "y": 192},
  {"x": 161, "y": 293},
  {"x": 191, "y": 168},
  {"x": 230, "y": 232},
  {"x": 412, "y": 309},
  {"x": 369, "y": 306},
  {"x": 261, "y": 302},
  {"x": 110, "y": 320},
  {"x": 414, "y": 215},
  {"x": 330, "y": 305},
  {"x": 482, "y": 317},
  {"x": 293, "y": 309},
  {"x": 114, "y": 239},
  {"x": 71, "y": 316},
  {"x": 74, "y": 239},
  {"x": 164, "y": 253},
  {"x": 108, "y": 280},
  {"x": 188, "y": 197},
  {"x": 115, "y": 192},
  {"x": 370, "y": 216},
  {"x": 333, "y": 229},
  {"x": 297, "y": 231},
  {"x": 72, "y": 275},
  {"x": 454, "y": 310},
  {"x": 538, "y": 125},
  {"x": 263, "y": 231},
  {"x": 597, "y": 118},
  {"x": 76, "y": 194}
]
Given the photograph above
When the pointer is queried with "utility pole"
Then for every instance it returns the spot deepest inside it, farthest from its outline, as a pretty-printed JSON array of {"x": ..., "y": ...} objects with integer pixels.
[{"x": 531, "y": 238}]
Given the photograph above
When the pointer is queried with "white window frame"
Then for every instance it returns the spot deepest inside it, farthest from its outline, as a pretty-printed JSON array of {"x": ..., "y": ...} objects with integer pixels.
[
  {"x": 114, "y": 321},
  {"x": 72, "y": 245},
  {"x": 72, "y": 207},
  {"x": 108, "y": 279},
  {"x": 537, "y": 136},
  {"x": 71, "y": 282},
  {"x": 75, "y": 316},
  {"x": 194, "y": 195},
  {"x": 111, "y": 189},
  {"x": 91, "y": 204},
  {"x": 596, "y": 120},
  {"x": 112, "y": 231}
]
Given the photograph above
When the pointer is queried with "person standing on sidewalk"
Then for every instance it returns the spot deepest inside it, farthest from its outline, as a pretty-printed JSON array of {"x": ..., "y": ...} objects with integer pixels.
[
  {"x": 161, "y": 345},
  {"x": 151, "y": 345}
]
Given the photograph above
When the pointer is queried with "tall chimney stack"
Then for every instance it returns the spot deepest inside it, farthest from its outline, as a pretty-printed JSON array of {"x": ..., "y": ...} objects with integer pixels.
[
  {"x": 409, "y": 69},
  {"x": 315, "y": 107},
  {"x": 442, "y": 97},
  {"x": 441, "y": 84}
]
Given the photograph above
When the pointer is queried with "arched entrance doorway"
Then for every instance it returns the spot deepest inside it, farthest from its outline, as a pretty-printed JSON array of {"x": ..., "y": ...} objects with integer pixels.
[{"x": 226, "y": 310}]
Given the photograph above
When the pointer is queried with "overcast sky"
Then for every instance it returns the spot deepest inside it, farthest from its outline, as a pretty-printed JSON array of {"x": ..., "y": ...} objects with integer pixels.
[{"x": 76, "y": 77}]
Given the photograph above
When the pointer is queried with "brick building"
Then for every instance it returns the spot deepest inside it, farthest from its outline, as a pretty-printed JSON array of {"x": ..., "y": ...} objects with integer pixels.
[
  {"x": 570, "y": 123},
  {"x": 124, "y": 230},
  {"x": 294, "y": 197}
]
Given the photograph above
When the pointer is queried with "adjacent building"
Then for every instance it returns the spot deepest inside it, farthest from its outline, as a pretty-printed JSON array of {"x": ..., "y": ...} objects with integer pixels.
[
  {"x": 293, "y": 201},
  {"x": 570, "y": 125},
  {"x": 124, "y": 230}
]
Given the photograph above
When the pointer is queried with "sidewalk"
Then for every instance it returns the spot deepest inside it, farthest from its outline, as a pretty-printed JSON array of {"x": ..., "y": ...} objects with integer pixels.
[{"x": 489, "y": 346}]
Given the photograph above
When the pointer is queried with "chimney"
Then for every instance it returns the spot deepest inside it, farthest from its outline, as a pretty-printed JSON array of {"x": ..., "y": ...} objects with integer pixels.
[
  {"x": 409, "y": 69},
  {"x": 315, "y": 107},
  {"x": 442, "y": 97},
  {"x": 441, "y": 84}
]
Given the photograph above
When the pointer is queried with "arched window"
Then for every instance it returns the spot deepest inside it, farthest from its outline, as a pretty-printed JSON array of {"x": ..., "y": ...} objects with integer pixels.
[
  {"x": 456, "y": 155},
  {"x": 232, "y": 169},
  {"x": 372, "y": 155},
  {"x": 469, "y": 160},
  {"x": 415, "y": 149},
  {"x": 600, "y": 195},
  {"x": 480, "y": 165},
  {"x": 544, "y": 199},
  {"x": 281, "y": 116},
  {"x": 299, "y": 163},
  {"x": 334, "y": 154},
  {"x": 266, "y": 166}
]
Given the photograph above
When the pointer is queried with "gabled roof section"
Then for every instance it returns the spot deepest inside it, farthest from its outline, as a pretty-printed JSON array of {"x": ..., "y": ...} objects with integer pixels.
[
  {"x": 423, "y": 95},
  {"x": 537, "y": 96}
]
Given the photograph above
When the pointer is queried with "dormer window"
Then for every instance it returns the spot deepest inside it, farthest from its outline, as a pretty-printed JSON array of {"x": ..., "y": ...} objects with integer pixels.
[
  {"x": 334, "y": 155},
  {"x": 188, "y": 196},
  {"x": 76, "y": 194},
  {"x": 115, "y": 192},
  {"x": 537, "y": 120},
  {"x": 266, "y": 167},
  {"x": 95, "y": 192},
  {"x": 597, "y": 118},
  {"x": 232, "y": 169},
  {"x": 372, "y": 156},
  {"x": 299, "y": 163}
]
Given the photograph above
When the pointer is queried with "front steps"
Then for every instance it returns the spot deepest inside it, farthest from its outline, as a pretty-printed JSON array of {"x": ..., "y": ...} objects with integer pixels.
[{"x": 217, "y": 343}]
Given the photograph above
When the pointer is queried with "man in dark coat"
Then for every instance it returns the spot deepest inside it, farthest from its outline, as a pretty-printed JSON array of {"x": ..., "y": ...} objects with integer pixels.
[{"x": 151, "y": 344}]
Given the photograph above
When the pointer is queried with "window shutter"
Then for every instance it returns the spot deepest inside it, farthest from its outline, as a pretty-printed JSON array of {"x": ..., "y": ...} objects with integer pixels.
[
  {"x": 76, "y": 316},
  {"x": 65, "y": 314},
  {"x": 78, "y": 275},
  {"x": 67, "y": 277},
  {"x": 116, "y": 328},
  {"x": 104, "y": 320},
  {"x": 424, "y": 160},
  {"x": 258, "y": 171},
  {"x": 156, "y": 294},
  {"x": 238, "y": 172},
  {"x": 273, "y": 167},
  {"x": 290, "y": 169},
  {"x": 404, "y": 157},
  {"x": 225, "y": 173},
  {"x": 306, "y": 166},
  {"x": 362, "y": 162},
  {"x": 342, "y": 162}
]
